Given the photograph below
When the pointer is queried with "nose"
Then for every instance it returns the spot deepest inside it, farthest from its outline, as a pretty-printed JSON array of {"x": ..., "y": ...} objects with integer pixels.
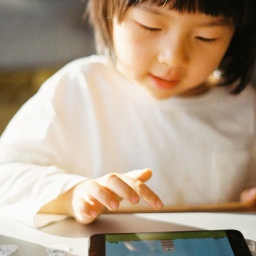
[{"x": 173, "y": 53}]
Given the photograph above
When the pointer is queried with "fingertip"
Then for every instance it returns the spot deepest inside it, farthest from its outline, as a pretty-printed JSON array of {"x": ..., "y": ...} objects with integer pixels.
[
  {"x": 85, "y": 212},
  {"x": 135, "y": 199},
  {"x": 145, "y": 174},
  {"x": 114, "y": 205},
  {"x": 159, "y": 205},
  {"x": 93, "y": 214},
  {"x": 248, "y": 195},
  {"x": 148, "y": 171},
  {"x": 87, "y": 217},
  {"x": 252, "y": 194}
]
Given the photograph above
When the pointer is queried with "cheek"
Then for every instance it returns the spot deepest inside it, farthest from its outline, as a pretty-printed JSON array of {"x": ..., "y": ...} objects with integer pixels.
[
  {"x": 131, "y": 48},
  {"x": 136, "y": 60},
  {"x": 217, "y": 54},
  {"x": 208, "y": 56},
  {"x": 208, "y": 61},
  {"x": 200, "y": 70}
]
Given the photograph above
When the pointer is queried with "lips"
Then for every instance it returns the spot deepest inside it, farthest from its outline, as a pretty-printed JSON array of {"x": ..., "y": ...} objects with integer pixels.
[{"x": 164, "y": 83}]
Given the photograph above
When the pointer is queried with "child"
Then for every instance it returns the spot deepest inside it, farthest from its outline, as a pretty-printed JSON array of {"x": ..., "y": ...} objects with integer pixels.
[{"x": 168, "y": 91}]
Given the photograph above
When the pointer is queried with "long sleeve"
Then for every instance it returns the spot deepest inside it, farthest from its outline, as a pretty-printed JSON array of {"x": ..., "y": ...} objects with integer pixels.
[
  {"x": 87, "y": 121},
  {"x": 32, "y": 157}
]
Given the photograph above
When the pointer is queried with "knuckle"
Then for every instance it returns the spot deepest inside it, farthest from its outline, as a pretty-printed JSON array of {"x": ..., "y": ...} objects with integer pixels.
[
  {"x": 111, "y": 178},
  {"x": 138, "y": 185},
  {"x": 94, "y": 189},
  {"x": 92, "y": 184}
]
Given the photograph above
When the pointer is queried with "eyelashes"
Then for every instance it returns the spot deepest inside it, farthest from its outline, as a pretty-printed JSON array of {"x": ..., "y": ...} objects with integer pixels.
[
  {"x": 157, "y": 29},
  {"x": 151, "y": 29},
  {"x": 206, "y": 40}
]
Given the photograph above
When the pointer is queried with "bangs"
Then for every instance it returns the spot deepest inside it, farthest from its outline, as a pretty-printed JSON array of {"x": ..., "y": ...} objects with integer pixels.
[{"x": 235, "y": 10}]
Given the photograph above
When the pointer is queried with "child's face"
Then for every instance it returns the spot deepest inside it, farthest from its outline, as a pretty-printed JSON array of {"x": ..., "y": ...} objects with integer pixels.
[{"x": 167, "y": 52}]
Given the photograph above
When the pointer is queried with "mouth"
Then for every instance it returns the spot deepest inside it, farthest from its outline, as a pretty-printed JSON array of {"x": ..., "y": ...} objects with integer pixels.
[{"x": 162, "y": 83}]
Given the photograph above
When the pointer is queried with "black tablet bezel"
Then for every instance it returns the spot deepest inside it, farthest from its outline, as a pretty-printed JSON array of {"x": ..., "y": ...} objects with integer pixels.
[{"x": 235, "y": 237}]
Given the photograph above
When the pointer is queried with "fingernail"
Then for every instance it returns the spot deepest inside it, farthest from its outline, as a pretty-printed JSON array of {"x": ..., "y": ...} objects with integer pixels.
[
  {"x": 114, "y": 205},
  {"x": 159, "y": 204},
  {"x": 93, "y": 214},
  {"x": 135, "y": 199},
  {"x": 251, "y": 194}
]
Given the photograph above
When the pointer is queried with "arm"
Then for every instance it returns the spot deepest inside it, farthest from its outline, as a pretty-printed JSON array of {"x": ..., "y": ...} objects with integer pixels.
[
  {"x": 43, "y": 165},
  {"x": 34, "y": 156}
]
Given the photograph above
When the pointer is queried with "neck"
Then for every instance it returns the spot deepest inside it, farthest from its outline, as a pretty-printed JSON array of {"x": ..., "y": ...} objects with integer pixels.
[{"x": 197, "y": 91}]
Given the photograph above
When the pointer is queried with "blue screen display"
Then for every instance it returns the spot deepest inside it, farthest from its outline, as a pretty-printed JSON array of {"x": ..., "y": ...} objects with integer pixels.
[{"x": 172, "y": 244}]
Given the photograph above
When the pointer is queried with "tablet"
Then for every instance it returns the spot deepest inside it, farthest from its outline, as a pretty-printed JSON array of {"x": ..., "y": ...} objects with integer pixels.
[{"x": 185, "y": 243}]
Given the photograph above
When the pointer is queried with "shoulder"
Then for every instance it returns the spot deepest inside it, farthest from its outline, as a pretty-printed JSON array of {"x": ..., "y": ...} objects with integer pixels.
[
  {"x": 240, "y": 108},
  {"x": 245, "y": 98},
  {"x": 91, "y": 65},
  {"x": 242, "y": 104},
  {"x": 249, "y": 94},
  {"x": 220, "y": 105},
  {"x": 82, "y": 74}
]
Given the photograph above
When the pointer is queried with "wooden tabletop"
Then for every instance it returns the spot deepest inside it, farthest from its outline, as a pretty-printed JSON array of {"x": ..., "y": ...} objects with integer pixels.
[{"x": 220, "y": 207}]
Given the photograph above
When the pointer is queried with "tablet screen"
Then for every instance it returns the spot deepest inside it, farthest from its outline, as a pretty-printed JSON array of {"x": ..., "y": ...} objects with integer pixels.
[{"x": 188, "y": 243}]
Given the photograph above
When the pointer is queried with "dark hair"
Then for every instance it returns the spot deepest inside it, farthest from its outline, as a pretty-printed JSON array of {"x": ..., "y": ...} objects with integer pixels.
[{"x": 236, "y": 65}]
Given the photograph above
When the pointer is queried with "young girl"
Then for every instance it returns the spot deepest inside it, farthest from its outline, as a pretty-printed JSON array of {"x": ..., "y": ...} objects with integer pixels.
[{"x": 168, "y": 91}]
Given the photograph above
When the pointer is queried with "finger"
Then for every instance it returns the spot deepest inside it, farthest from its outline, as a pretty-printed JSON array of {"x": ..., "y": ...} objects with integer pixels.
[
  {"x": 248, "y": 195},
  {"x": 92, "y": 191},
  {"x": 142, "y": 189},
  {"x": 103, "y": 195},
  {"x": 119, "y": 187},
  {"x": 147, "y": 194},
  {"x": 85, "y": 212}
]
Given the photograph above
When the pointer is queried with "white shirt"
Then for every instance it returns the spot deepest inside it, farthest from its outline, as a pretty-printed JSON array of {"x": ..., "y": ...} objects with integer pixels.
[{"x": 87, "y": 120}]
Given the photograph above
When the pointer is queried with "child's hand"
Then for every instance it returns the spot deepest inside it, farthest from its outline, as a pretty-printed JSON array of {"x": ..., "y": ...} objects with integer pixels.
[
  {"x": 249, "y": 195},
  {"x": 92, "y": 197}
]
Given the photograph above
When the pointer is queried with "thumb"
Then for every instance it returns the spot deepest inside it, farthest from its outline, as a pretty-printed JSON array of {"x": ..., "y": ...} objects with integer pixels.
[{"x": 142, "y": 174}]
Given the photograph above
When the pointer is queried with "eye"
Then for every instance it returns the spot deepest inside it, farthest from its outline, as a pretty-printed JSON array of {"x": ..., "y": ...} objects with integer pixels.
[
  {"x": 206, "y": 40},
  {"x": 149, "y": 28}
]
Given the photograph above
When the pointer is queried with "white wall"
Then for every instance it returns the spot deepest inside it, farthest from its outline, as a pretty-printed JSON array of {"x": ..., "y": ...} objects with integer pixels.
[{"x": 39, "y": 33}]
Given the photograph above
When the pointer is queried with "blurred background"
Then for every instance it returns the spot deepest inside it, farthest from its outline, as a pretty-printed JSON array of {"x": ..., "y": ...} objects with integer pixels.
[{"x": 37, "y": 37}]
